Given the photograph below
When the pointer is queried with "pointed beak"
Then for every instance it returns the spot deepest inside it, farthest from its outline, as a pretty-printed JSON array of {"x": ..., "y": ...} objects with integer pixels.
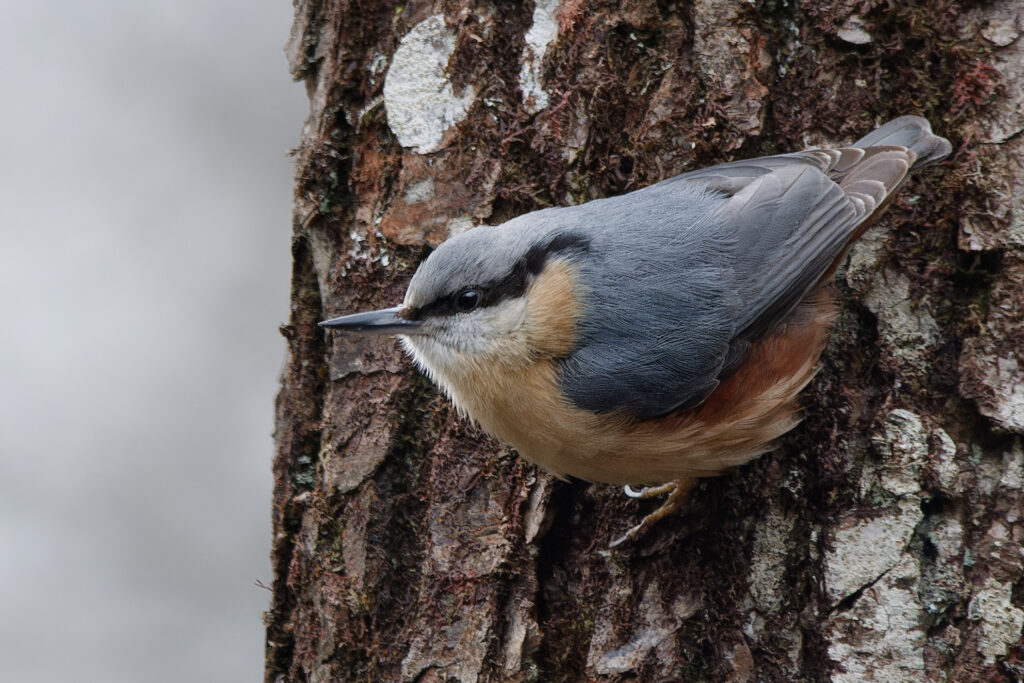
[{"x": 385, "y": 321}]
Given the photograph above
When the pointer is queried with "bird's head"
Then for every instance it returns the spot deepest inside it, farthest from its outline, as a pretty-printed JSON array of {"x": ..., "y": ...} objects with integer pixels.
[{"x": 489, "y": 296}]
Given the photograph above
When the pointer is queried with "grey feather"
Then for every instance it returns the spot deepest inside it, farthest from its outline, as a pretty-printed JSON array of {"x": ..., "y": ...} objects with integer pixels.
[
  {"x": 663, "y": 299},
  {"x": 912, "y": 132}
]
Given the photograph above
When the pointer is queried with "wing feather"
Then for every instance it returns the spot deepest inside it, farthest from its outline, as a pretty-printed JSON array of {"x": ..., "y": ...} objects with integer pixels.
[{"x": 696, "y": 269}]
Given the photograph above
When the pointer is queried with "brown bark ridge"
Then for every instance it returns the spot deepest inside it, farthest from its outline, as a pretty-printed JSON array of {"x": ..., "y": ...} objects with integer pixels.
[{"x": 882, "y": 541}]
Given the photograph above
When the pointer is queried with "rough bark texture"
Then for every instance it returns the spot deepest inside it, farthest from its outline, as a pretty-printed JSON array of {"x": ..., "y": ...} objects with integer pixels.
[{"x": 883, "y": 540}]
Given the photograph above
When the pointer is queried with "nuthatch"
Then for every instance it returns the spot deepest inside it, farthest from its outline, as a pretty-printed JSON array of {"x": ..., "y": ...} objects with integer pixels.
[{"x": 662, "y": 335}]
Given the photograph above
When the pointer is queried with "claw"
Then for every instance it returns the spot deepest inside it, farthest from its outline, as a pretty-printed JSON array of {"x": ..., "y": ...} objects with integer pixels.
[
  {"x": 677, "y": 492},
  {"x": 633, "y": 493},
  {"x": 649, "y": 491}
]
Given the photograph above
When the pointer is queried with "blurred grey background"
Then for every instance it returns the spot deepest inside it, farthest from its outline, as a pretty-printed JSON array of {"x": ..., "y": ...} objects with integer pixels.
[{"x": 144, "y": 261}]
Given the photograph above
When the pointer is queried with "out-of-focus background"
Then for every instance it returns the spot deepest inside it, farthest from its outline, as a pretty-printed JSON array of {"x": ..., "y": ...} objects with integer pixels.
[{"x": 144, "y": 230}]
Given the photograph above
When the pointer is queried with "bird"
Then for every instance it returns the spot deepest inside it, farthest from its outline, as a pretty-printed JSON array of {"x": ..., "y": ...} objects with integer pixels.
[{"x": 656, "y": 337}]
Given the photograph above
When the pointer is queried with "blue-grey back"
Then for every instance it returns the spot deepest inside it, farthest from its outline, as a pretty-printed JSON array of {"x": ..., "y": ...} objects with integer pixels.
[{"x": 660, "y": 300}]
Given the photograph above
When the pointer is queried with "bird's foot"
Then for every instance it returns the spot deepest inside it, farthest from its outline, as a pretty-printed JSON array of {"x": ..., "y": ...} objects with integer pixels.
[
  {"x": 649, "y": 491},
  {"x": 677, "y": 492}
]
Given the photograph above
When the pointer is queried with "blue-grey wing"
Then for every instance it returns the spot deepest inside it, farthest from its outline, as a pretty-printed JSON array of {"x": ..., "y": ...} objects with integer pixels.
[
  {"x": 687, "y": 273},
  {"x": 794, "y": 221}
]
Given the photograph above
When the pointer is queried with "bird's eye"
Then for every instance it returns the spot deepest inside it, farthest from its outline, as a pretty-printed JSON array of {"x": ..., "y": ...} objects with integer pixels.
[{"x": 467, "y": 300}]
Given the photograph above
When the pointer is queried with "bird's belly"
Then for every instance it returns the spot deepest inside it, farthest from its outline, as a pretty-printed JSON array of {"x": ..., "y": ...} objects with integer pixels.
[{"x": 615, "y": 449}]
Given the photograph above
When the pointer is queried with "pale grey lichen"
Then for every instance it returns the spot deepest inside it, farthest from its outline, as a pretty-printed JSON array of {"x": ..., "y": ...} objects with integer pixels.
[
  {"x": 1003, "y": 378},
  {"x": 904, "y": 443},
  {"x": 864, "y": 550},
  {"x": 1001, "y": 31},
  {"x": 942, "y": 583},
  {"x": 946, "y": 466},
  {"x": 458, "y": 225},
  {"x": 854, "y": 31},
  {"x": 418, "y": 95},
  {"x": 1001, "y": 621},
  {"x": 1013, "y": 468},
  {"x": 768, "y": 560},
  {"x": 880, "y": 638},
  {"x": 905, "y": 327},
  {"x": 725, "y": 61},
  {"x": 540, "y": 36},
  {"x": 866, "y": 256}
]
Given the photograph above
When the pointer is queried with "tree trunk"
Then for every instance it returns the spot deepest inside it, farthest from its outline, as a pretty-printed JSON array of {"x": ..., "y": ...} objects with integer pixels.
[{"x": 882, "y": 541}]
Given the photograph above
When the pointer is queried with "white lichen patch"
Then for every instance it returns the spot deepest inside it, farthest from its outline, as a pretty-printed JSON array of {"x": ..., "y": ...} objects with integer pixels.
[
  {"x": 854, "y": 31},
  {"x": 862, "y": 551},
  {"x": 907, "y": 330},
  {"x": 1013, "y": 468},
  {"x": 1005, "y": 378},
  {"x": 768, "y": 561},
  {"x": 458, "y": 225},
  {"x": 542, "y": 33},
  {"x": 418, "y": 95},
  {"x": 1001, "y": 31},
  {"x": 865, "y": 258},
  {"x": 904, "y": 442},
  {"x": 943, "y": 582},
  {"x": 880, "y": 638},
  {"x": 1001, "y": 621},
  {"x": 946, "y": 466}
]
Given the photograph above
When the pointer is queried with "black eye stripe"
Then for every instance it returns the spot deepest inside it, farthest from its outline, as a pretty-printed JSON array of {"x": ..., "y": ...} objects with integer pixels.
[{"x": 511, "y": 286}]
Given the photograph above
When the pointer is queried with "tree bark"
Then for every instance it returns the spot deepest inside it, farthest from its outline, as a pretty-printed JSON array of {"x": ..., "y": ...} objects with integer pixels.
[{"x": 883, "y": 539}]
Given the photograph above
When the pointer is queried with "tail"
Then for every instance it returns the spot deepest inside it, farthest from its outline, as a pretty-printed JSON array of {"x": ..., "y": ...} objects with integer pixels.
[{"x": 912, "y": 132}]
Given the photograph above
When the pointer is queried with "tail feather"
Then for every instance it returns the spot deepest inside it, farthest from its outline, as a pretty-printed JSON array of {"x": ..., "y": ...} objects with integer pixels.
[{"x": 912, "y": 132}]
